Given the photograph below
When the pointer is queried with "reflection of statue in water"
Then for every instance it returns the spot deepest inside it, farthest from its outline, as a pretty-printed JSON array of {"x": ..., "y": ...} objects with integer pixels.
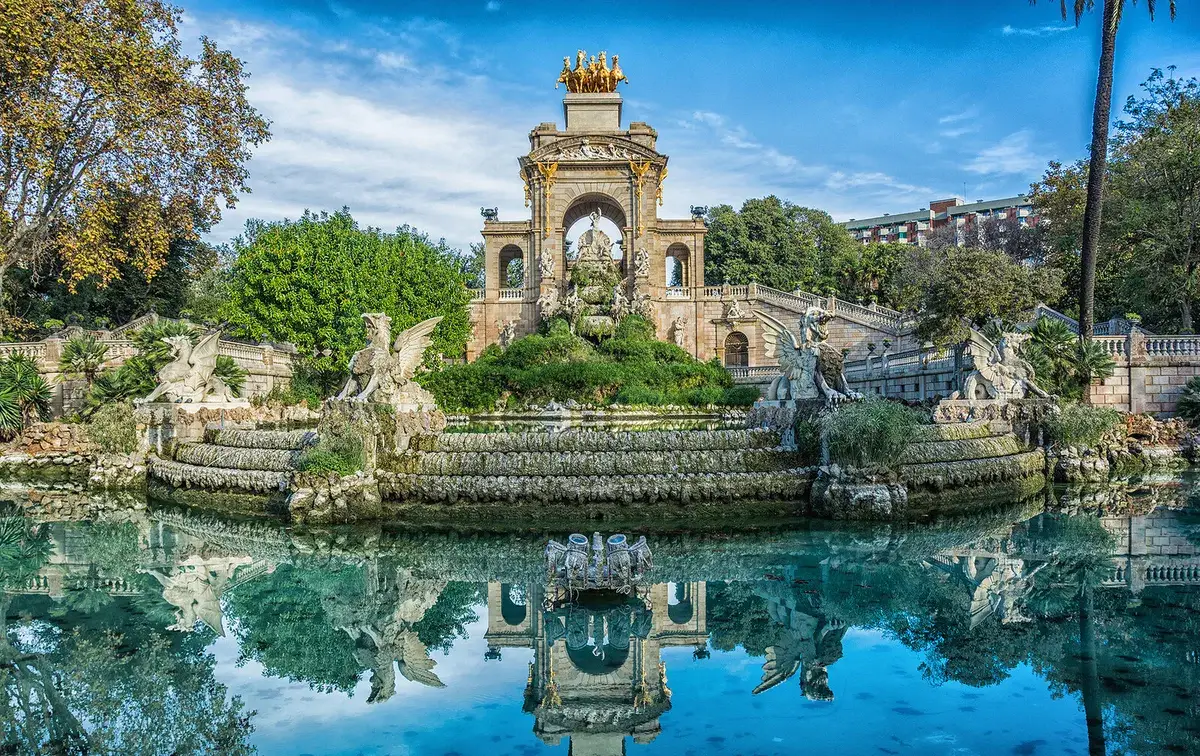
[
  {"x": 391, "y": 643},
  {"x": 194, "y": 587},
  {"x": 807, "y": 643},
  {"x": 1000, "y": 373}
]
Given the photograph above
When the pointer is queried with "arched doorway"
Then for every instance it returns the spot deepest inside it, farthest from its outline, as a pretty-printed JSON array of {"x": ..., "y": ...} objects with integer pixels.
[{"x": 737, "y": 350}]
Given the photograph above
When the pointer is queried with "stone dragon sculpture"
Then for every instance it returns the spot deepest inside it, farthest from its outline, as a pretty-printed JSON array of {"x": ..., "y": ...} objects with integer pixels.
[
  {"x": 382, "y": 371},
  {"x": 189, "y": 376},
  {"x": 811, "y": 368},
  {"x": 1000, "y": 373}
]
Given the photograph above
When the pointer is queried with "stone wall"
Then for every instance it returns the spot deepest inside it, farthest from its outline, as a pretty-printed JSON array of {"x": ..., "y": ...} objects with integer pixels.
[{"x": 1151, "y": 372}]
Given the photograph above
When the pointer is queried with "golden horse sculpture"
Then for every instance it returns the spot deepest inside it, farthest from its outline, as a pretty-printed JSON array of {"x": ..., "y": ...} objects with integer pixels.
[{"x": 591, "y": 76}]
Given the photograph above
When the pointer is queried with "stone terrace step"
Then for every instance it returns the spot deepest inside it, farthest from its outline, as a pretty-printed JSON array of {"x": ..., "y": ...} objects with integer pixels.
[
  {"x": 262, "y": 439},
  {"x": 182, "y": 475},
  {"x": 789, "y": 485},
  {"x": 954, "y": 431},
  {"x": 236, "y": 457},
  {"x": 589, "y": 463},
  {"x": 949, "y": 475},
  {"x": 966, "y": 449},
  {"x": 604, "y": 441}
]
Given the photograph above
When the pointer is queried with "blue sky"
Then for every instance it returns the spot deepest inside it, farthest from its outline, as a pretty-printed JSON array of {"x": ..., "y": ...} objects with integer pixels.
[{"x": 415, "y": 112}]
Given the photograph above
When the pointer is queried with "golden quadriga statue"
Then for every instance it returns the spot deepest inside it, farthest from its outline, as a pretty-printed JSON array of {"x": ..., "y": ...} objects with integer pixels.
[{"x": 591, "y": 76}]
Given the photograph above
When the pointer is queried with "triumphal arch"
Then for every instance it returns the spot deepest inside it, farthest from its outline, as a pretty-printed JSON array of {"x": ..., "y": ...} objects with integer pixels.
[{"x": 596, "y": 172}]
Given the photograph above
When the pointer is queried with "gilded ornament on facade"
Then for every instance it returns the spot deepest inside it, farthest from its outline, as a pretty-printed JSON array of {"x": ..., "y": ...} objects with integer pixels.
[
  {"x": 661, "y": 178},
  {"x": 549, "y": 173},
  {"x": 639, "y": 176},
  {"x": 591, "y": 76}
]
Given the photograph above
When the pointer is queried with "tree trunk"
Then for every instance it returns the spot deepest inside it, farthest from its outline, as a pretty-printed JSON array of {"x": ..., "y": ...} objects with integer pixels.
[
  {"x": 1101, "y": 113},
  {"x": 1185, "y": 314},
  {"x": 1089, "y": 675},
  {"x": 3, "y": 275}
]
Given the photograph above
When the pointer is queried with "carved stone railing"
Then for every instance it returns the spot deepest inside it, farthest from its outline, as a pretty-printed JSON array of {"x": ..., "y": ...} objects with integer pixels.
[
  {"x": 678, "y": 292},
  {"x": 1172, "y": 346},
  {"x": 34, "y": 350},
  {"x": 512, "y": 294},
  {"x": 1117, "y": 347},
  {"x": 756, "y": 374},
  {"x": 478, "y": 294}
]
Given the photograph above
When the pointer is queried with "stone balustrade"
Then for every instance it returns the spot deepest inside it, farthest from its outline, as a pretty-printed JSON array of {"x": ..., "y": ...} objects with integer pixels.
[
  {"x": 266, "y": 365},
  {"x": 1151, "y": 371}
]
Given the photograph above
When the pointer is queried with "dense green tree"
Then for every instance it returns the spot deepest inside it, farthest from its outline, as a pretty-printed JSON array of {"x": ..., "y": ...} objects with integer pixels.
[
  {"x": 773, "y": 242},
  {"x": 865, "y": 272},
  {"x": 1156, "y": 182},
  {"x": 963, "y": 286},
  {"x": 102, "y": 117},
  {"x": 1101, "y": 111},
  {"x": 309, "y": 281}
]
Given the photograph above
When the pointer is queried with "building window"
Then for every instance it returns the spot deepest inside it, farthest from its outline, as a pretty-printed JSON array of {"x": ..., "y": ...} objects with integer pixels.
[{"x": 737, "y": 350}]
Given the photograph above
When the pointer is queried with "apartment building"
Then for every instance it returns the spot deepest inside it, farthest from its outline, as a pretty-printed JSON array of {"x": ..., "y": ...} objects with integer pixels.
[{"x": 916, "y": 227}]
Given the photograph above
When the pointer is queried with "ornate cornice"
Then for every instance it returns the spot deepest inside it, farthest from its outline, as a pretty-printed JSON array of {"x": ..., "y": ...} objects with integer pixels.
[{"x": 594, "y": 149}]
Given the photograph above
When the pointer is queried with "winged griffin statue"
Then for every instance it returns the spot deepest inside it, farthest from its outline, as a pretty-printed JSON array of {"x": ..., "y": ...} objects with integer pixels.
[
  {"x": 1000, "y": 373},
  {"x": 188, "y": 377},
  {"x": 382, "y": 371},
  {"x": 811, "y": 369}
]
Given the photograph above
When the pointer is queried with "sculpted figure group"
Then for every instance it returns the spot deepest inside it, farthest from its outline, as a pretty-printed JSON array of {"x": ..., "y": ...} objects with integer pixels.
[
  {"x": 811, "y": 368},
  {"x": 590, "y": 76}
]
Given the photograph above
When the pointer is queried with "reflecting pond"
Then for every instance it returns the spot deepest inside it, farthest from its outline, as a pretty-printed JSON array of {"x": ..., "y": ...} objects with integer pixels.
[{"x": 1058, "y": 626}]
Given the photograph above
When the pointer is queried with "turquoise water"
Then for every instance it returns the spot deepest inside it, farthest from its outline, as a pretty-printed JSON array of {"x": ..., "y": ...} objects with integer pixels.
[{"x": 159, "y": 631}]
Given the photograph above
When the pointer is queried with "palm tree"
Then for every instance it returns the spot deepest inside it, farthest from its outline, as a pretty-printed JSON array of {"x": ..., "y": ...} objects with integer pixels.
[
  {"x": 1101, "y": 113},
  {"x": 83, "y": 356}
]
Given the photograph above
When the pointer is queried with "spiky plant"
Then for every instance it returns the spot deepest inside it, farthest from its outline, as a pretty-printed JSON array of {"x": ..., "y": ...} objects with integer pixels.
[
  {"x": 83, "y": 356},
  {"x": 229, "y": 372},
  {"x": 24, "y": 396}
]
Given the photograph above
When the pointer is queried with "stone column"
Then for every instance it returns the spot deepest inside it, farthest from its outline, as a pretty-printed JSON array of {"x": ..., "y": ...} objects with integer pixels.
[{"x": 1135, "y": 347}]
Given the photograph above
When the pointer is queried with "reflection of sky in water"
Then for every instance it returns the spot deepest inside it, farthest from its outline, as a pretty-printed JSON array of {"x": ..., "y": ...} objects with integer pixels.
[{"x": 882, "y": 706}]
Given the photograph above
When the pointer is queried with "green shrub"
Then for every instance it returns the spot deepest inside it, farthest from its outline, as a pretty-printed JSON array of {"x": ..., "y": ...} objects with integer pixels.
[
  {"x": 24, "y": 395},
  {"x": 873, "y": 432},
  {"x": 1080, "y": 424},
  {"x": 631, "y": 367},
  {"x": 1189, "y": 401},
  {"x": 636, "y": 393},
  {"x": 741, "y": 396},
  {"x": 53, "y": 325},
  {"x": 113, "y": 429}
]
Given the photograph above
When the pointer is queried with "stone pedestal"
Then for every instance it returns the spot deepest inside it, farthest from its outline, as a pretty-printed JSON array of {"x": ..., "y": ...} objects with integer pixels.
[
  {"x": 592, "y": 112},
  {"x": 162, "y": 425},
  {"x": 385, "y": 430}
]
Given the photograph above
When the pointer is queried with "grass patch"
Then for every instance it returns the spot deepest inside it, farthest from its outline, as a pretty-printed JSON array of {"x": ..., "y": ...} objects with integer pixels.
[
  {"x": 870, "y": 433},
  {"x": 1080, "y": 424},
  {"x": 112, "y": 428}
]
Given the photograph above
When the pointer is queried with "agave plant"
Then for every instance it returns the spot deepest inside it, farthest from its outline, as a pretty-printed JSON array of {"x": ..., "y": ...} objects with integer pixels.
[
  {"x": 83, "y": 356},
  {"x": 24, "y": 396}
]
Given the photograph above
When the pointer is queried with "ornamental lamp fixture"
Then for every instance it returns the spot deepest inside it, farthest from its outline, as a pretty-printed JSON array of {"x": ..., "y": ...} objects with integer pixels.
[
  {"x": 490, "y": 213},
  {"x": 699, "y": 211}
]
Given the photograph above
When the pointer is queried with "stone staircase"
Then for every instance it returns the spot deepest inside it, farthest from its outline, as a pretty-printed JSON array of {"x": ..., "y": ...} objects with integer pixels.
[{"x": 248, "y": 461}]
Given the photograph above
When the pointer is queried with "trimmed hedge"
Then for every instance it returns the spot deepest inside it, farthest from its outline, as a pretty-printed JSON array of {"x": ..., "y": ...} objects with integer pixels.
[{"x": 632, "y": 367}]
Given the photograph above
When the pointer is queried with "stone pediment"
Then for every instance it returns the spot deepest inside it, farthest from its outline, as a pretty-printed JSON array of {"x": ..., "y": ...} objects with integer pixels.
[{"x": 593, "y": 148}]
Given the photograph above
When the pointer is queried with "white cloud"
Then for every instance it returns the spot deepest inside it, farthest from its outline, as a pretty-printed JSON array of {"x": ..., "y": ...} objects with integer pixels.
[
  {"x": 492, "y": 6},
  {"x": 1012, "y": 154},
  {"x": 394, "y": 61},
  {"x": 1034, "y": 31},
  {"x": 969, "y": 114}
]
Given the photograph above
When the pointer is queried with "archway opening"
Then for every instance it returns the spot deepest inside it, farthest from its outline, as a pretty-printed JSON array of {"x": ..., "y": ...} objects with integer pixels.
[
  {"x": 679, "y": 603},
  {"x": 512, "y": 267},
  {"x": 512, "y": 604},
  {"x": 737, "y": 350},
  {"x": 676, "y": 267},
  {"x": 577, "y": 220}
]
